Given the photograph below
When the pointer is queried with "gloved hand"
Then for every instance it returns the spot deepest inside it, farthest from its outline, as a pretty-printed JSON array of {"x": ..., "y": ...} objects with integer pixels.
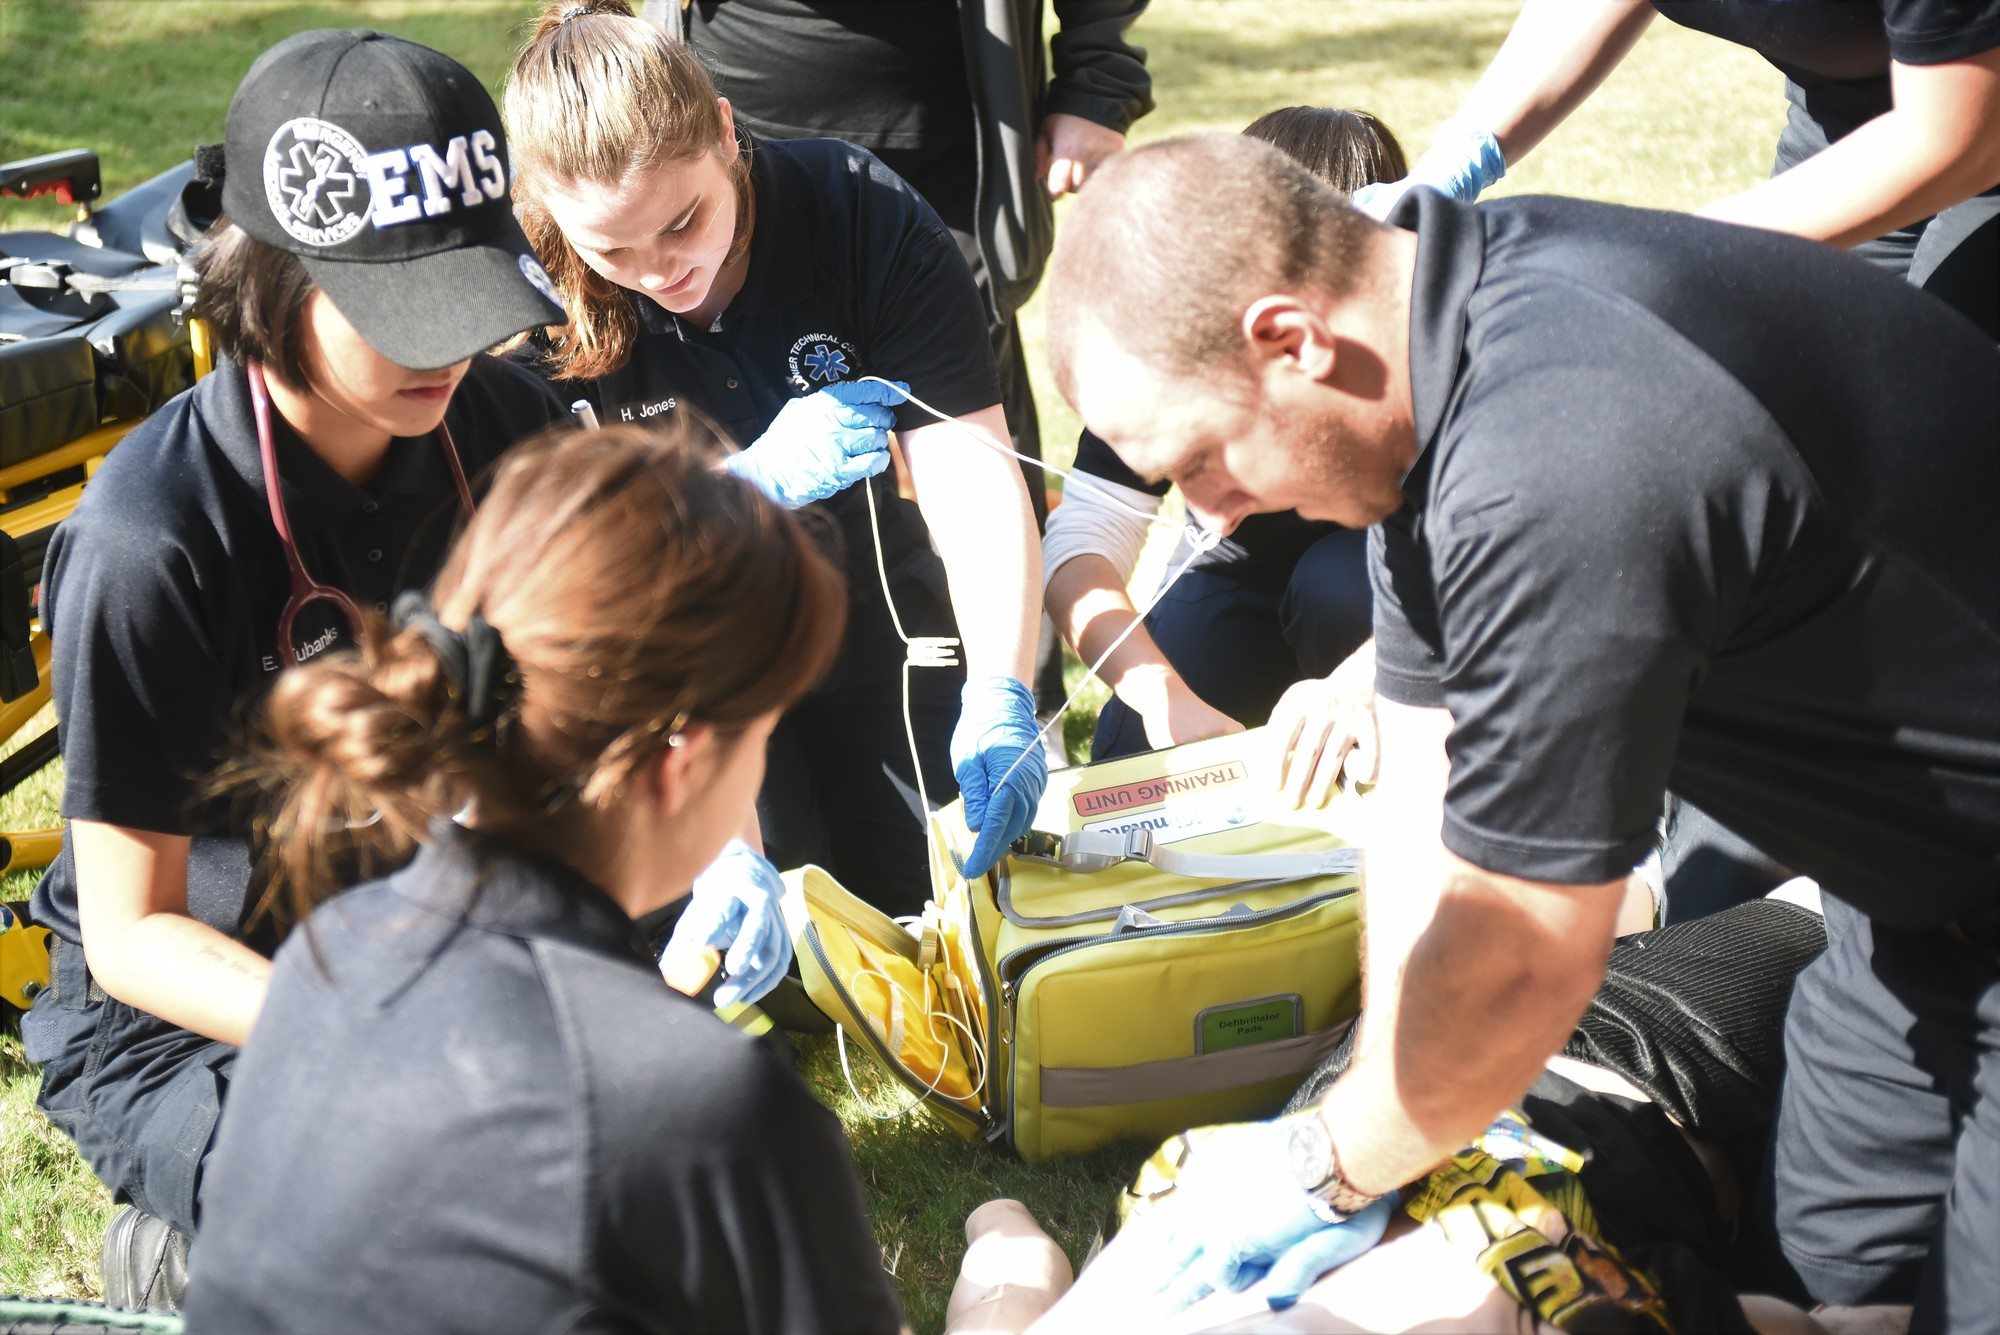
[
  {"x": 820, "y": 445},
  {"x": 1463, "y": 161},
  {"x": 997, "y": 733},
  {"x": 737, "y": 905},
  {"x": 1237, "y": 1216}
]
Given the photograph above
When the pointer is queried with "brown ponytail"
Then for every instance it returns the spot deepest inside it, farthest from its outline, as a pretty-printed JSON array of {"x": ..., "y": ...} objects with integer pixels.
[
  {"x": 596, "y": 95},
  {"x": 636, "y": 589}
]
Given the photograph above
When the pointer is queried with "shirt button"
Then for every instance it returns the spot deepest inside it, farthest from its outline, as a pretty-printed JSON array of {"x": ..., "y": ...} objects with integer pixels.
[
  {"x": 370, "y": 507},
  {"x": 729, "y": 383},
  {"x": 374, "y": 553}
]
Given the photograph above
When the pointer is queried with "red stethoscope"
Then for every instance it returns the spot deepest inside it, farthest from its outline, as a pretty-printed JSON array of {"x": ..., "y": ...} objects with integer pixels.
[{"x": 305, "y": 589}]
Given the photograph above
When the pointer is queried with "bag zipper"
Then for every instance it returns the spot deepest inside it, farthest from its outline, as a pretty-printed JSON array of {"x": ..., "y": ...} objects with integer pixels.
[
  {"x": 941, "y": 1103},
  {"x": 1003, "y": 896},
  {"x": 999, "y": 1025}
]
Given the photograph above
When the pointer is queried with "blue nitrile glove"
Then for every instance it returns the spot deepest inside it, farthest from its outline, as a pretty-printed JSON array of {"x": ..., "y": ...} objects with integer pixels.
[
  {"x": 1239, "y": 1217},
  {"x": 1463, "y": 161},
  {"x": 736, "y": 905},
  {"x": 997, "y": 733},
  {"x": 822, "y": 444}
]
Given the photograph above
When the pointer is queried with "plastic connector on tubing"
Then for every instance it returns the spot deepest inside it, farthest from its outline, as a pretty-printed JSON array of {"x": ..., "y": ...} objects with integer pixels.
[{"x": 1199, "y": 540}]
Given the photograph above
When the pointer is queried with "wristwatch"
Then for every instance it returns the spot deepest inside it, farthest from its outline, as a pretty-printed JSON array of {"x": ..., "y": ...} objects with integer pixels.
[{"x": 1316, "y": 1167}]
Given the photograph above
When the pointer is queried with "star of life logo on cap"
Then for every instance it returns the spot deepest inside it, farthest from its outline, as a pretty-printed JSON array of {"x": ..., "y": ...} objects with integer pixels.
[{"x": 316, "y": 181}]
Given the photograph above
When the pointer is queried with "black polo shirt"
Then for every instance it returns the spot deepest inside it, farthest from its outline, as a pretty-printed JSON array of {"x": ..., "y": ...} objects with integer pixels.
[
  {"x": 1262, "y": 551},
  {"x": 851, "y": 274},
  {"x": 470, "y": 1104},
  {"x": 162, "y": 594},
  {"x": 1705, "y": 508},
  {"x": 1836, "y": 53}
]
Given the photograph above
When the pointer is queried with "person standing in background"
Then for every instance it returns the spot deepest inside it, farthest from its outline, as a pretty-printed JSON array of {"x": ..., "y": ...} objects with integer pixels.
[{"x": 960, "y": 101}]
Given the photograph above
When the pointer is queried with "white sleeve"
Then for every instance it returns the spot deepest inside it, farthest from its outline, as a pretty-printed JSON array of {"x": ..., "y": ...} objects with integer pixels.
[{"x": 1096, "y": 518}]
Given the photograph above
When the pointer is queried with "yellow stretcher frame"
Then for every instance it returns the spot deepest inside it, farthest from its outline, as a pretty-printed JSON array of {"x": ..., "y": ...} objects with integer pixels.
[{"x": 22, "y": 850}]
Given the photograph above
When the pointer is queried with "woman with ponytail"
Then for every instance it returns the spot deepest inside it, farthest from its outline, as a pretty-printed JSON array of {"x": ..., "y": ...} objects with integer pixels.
[
  {"x": 470, "y": 1103},
  {"x": 758, "y": 282}
]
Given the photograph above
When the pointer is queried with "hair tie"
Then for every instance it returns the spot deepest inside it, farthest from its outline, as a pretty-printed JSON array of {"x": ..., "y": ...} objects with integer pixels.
[
  {"x": 573, "y": 12},
  {"x": 477, "y": 666}
]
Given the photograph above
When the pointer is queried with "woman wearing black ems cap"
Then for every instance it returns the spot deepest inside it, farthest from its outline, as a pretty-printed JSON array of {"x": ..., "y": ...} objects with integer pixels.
[{"x": 366, "y": 256}]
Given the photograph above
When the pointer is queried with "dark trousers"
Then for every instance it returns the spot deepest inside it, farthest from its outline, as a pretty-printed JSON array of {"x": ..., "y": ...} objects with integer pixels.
[
  {"x": 139, "y": 1096},
  {"x": 1707, "y": 867},
  {"x": 840, "y": 790},
  {"x": 1238, "y": 645},
  {"x": 1884, "y": 1179}
]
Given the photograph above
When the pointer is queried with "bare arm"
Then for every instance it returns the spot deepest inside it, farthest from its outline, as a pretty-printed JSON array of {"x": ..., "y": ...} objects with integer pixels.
[
  {"x": 1090, "y": 605},
  {"x": 1472, "y": 979},
  {"x": 1938, "y": 145},
  {"x": 1551, "y": 62},
  {"x": 976, "y": 505},
  {"x": 1554, "y": 58},
  {"x": 141, "y": 943}
]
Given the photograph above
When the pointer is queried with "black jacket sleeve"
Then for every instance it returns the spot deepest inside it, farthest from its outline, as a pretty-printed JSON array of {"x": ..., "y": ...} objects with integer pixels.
[{"x": 1097, "y": 74}]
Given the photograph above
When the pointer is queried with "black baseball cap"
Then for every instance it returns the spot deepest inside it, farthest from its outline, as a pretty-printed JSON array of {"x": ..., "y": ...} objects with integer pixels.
[{"x": 383, "y": 165}]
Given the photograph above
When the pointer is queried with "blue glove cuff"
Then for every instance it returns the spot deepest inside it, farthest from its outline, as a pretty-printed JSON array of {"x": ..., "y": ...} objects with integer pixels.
[
  {"x": 1462, "y": 162},
  {"x": 994, "y": 694}
]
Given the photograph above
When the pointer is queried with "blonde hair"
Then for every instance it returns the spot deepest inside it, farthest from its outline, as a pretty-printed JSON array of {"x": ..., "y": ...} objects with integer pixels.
[
  {"x": 598, "y": 95},
  {"x": 635, "y": 589}
]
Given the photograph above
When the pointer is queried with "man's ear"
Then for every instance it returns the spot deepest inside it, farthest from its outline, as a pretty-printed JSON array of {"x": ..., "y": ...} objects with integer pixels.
[{"x": 1284, "y": 328}]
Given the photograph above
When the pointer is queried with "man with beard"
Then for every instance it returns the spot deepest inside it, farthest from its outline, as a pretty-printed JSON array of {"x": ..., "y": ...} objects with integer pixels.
[{"x": 1662, "y": 505}]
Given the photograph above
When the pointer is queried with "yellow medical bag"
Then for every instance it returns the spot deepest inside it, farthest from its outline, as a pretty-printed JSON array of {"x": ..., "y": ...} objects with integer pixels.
[{"x": 1168, "y": 947}]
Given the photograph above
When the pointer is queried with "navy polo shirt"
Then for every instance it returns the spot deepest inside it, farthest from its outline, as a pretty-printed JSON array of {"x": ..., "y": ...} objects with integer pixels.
[
  {"x": 470, "y": 1104},
  {"x": 850, "y": 274},
  {"x": 1835, "y": 54},
  {"x": 1700, "y": 508},
  {"x": 162, "y": 595}
]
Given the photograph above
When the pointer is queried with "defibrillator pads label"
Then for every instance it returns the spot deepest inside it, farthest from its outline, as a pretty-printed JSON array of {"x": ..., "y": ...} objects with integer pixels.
[{"x": 1243, "y": 1024}]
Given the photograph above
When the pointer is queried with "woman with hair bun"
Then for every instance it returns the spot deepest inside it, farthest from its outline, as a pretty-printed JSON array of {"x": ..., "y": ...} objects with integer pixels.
[
  {"x": 469, "y": 1103},
  {"x": 758, "y": 282}
]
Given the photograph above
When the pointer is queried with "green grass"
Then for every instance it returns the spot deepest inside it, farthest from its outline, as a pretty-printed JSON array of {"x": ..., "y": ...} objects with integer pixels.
[
  {"x": 922, "y": 1181},
  {"x": 1684, "y": 121}
]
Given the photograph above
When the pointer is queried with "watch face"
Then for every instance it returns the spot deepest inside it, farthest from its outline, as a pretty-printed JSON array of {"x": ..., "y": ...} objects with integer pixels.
[{"x": 1311, "y": 1149}]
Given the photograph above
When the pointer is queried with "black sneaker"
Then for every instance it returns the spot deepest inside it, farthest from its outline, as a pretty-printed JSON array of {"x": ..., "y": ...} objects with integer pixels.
[{"x": 145, "y": 1262}]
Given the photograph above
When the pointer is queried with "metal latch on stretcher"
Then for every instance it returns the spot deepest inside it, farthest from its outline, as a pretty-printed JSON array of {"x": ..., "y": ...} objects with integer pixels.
[{"x": 1086, "y": 852}]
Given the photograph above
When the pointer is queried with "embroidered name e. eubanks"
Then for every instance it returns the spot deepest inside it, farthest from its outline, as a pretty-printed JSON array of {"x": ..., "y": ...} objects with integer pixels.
[{"x": 314, "y": 172}]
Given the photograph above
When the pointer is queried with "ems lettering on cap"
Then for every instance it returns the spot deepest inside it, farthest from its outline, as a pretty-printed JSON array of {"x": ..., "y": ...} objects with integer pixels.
[{"x": 382, "y": 165}]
